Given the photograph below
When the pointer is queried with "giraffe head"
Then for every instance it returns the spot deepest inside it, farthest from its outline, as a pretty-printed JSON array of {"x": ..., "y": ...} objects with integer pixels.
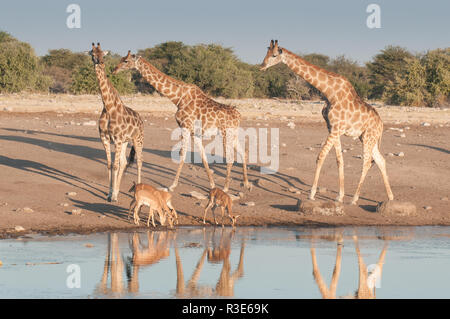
[
  {"x": 126, "y": 63},
  {"x": 273, "y": 56},
  {"x": 97, "y": 54}
]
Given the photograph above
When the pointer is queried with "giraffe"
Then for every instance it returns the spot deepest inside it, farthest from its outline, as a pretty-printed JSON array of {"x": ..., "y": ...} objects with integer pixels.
[
  {"x": 119, "y": 124},
  {"x": 193, "y": 105},
  {"x": 345, "y": 113}
]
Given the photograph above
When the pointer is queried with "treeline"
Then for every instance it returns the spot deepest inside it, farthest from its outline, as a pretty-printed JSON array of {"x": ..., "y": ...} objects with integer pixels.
[{"x": 394, "y": 76}]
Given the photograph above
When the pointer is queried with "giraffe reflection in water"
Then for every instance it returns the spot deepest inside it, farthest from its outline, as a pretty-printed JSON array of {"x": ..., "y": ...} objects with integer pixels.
[
  {"x": 367, "y": 281},
  {"x": 217, "y": 253},
  {"x": 157, "y": 249}
]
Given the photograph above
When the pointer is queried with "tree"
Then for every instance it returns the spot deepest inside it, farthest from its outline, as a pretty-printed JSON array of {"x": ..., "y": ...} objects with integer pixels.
[
  {"x": 388, "y": 65},
  {"x": 19, "y": 67},
  {"x": 84, "y": 79},
  {"x": 214, "y": 69},
  {"x": 437, "y": 73}
]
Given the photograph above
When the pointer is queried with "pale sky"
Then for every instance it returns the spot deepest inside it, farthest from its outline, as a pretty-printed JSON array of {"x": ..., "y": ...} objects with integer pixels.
[{"x": 330, "y": 27}]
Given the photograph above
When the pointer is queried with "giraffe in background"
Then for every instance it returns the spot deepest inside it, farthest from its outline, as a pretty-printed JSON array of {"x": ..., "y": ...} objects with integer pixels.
[
  {"x": 193, "y": 105},
  {"x": 345, "y": 114},
  {"x": 118, "y": 124}
]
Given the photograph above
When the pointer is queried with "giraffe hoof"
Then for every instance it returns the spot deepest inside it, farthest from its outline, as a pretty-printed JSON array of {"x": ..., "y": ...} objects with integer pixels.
[
  {"x": 354, "y": 201},
  {"x": 172, "y": 187},
  {"x": 339, "y": 199}
]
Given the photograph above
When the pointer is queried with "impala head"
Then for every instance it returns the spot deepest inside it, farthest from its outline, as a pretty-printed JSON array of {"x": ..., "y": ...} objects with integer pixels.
[
  {"x": 97, "y": 54},
  {"x": 126, "y": 63},
  {"x": 273, "y": 56}
]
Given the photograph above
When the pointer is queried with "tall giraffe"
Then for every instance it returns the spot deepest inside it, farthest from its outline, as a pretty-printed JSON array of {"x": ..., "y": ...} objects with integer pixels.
[
  {"x": 118, "y": 124},
  {"x": 345, "y": 114},
  {"x": 193, "y": 105}
]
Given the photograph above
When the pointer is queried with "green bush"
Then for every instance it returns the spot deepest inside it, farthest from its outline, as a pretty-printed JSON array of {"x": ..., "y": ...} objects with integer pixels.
[
  {"x": 19, "y": 67},
  {"x": 388, "y": 65},
  {"x": 84, "y": 79},
  {"x": 409, "y": 87},
  {"x": 437, "y": 76},
  {"x": 214, "y": 69},
  {"x": 59, "y": 65}
]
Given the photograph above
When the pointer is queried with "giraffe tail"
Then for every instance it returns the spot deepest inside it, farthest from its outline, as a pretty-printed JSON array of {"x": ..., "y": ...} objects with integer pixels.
[{"x": 131, "y": 157}]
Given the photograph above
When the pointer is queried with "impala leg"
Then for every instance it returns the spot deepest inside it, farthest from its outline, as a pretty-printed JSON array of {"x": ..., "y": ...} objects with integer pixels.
[{"x": 208, "y": 206}]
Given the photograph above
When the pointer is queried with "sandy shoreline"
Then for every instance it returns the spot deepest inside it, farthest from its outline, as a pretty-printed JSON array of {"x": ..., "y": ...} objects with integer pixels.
[{"x": 50, "y": 147}]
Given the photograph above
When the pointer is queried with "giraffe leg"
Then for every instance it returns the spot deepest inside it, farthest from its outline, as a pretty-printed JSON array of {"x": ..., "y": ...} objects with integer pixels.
[
  {"x": 368, "y": 146},
  {"x": 122, "y": 165},
  {"x": 229, "y": 159},
  {"x": 107, "y": 145},
  {"x": 320, "y": 159},
  {"x": 199, "y": 144},
  {"x": 381, "y": 163},
  {"x": 116, "y": 167},
  {"x": 340, "y": 163},
  {"x": 185, "y": 140},
  {"x": 138, "y": 146},
  {"x": 243, "y": 155}
]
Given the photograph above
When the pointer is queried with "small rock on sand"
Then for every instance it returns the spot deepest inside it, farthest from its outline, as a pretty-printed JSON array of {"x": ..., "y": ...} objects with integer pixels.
[
  {"x": 396, "y": 208},
  {"x": 71, "y": 194},
  {"x": 260, "y": 182},
  {"x": 294, "y": 190},
  {"x": 425, "y": 124},
  {"x": 76, "y": 211},
  {"x": 249, "y": 204},
  {"x": 197, "y": 195},
  {"x": 90, "y": 123},
  {"x": 401, "y": 154},
  {"x": 19, "y": 228},
  {"x": 27, "y": 210},
  {"x": 320, "y": 208},
  {"x": 234, "y": 197},
  {"x": 444, "y": 198},
  {"x": 428, "y": 208}
]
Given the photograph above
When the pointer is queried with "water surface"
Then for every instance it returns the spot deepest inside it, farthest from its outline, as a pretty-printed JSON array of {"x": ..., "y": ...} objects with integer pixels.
[{"x": 362, "y": 262}]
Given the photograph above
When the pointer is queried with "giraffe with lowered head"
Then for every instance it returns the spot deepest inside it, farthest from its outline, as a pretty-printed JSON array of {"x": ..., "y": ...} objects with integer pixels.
[
  {"x": 193, "y": 106},
  {"x": 118, "y": 124},
  {"x": 345, "y": 114}
]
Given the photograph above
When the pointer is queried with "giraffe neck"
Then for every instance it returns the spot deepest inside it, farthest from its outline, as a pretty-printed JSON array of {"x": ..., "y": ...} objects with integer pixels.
[
  {"x": 166, "y": 85},
  {"x": 110, "y": 96},
  {"x": 327, "y": 82}
]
